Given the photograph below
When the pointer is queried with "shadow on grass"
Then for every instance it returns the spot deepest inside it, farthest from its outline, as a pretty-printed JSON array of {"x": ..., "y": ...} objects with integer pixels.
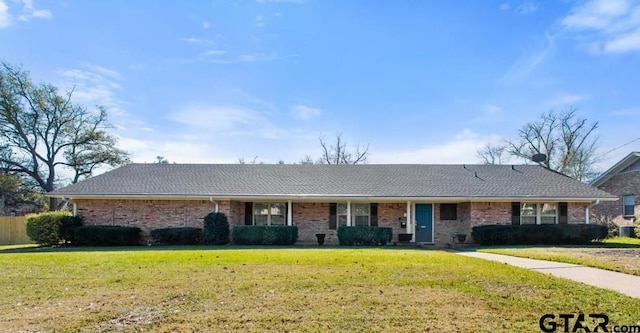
[{"x": 142, "y": 248}]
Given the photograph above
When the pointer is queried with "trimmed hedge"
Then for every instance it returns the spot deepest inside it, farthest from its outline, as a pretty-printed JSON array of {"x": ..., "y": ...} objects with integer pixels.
[
  {"x": 177, "y": 236},
  {"x": 44, "y": 228},
  {"x": 264, "y": 235},
  {"x": 67, "y": 225},
  {"x": 548, "y": 234},
  {"x": 106, "y": 235},
  {"x": 364, "y": 235},
  {"x": 216, "y": 229}
]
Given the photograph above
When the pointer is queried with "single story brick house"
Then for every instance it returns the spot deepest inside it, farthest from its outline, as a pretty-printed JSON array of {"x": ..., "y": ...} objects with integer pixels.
[
  {"x": 429, "y": 202},
  {"x": 622, "y": 180}
]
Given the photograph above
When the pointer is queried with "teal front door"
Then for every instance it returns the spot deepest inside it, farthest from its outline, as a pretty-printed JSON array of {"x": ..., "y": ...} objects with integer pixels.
[{"x": 424, "y": 223}]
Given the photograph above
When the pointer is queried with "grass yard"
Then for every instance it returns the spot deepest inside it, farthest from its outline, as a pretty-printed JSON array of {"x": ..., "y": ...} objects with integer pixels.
[
  {"x": 223, "y": 289},
  {"x": 620, "y": 254}
]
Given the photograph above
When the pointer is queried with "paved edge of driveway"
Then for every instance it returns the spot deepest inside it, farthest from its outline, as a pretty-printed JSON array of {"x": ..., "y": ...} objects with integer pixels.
[{"x": 623, "y": 283}]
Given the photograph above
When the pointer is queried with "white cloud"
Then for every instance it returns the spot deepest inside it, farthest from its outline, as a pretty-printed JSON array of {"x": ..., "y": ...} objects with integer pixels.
[
  {"x": 608, "y": 26},
  {"x": 492, "y": 109},
  {"x": 530, "y": 60},
  {"x": 222, "y": 57},
  {"x": 178, "y": 150},
  {"x": 5, "y": 17},
  {"x": 220, "y": 118},
  {"x": 206, "y": 25},
  {"x": 94, "y": 85},
  {"x": 304, "y": 112},
  {"x": 214, "y": 52},
  {"x": 527, "y": 7},
  {"x": 565, "y": 99},
  {"x": 196, "y": 40},
  {"x": 462, "y": 149},
  {"x": 624, "y": 43},
  {"x": 29, "y": 11},
  {"x": 260, "y": 22}
]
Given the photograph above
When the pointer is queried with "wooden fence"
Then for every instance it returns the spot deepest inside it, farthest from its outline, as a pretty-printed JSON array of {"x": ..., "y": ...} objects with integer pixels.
[{"x": 13, "y": 231}]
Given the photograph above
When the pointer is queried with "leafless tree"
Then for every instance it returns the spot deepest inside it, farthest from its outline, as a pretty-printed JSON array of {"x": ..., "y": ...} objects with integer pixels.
[
  {"x": 492, "y": 154},
  {"x": 568, "y": 141},
  {"x": 339, "y": 153},
  {"x": 161, "y": 160},
  {"x": 254, "y": 160},
  {"x": 43, "y": 131},
  {"x": 308, "y": 160}
]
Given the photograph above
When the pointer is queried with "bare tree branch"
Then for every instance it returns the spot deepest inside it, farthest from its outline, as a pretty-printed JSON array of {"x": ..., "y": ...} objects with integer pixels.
[
  {"x": 568, "y": 141},
  {"x": 338, "y": 153},
  {"x": 492, "y": 154}
]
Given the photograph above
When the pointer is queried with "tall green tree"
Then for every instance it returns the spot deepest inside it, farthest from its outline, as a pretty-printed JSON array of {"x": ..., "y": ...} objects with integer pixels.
[{"x": 43, "y": 132}]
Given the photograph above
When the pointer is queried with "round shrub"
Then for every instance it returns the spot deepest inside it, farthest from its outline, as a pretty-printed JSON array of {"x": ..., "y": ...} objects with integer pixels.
[
  {"x": 216, "y": 229},
  {"x": 44, "y": 228}
]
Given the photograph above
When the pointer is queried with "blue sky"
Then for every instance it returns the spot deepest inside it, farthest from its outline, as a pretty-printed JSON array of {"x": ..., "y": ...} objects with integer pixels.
[{"x": 419, "y": 81}]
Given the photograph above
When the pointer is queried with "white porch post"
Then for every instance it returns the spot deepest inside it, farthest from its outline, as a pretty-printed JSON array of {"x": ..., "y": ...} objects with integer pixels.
[
  {"x": 348, "y": 213},
  {"x": 289, "y": 213},
  {"x": 409, "y": 220},
  {"x": 75, "y": 209},
  {"x": 586, "y": 215}
]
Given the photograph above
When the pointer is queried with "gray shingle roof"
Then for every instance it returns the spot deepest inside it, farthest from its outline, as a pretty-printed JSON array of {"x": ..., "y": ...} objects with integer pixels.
[{"x": 367, "y": 180}]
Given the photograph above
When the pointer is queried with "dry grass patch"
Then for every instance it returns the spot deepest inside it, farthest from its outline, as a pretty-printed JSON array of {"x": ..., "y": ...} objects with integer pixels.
[
  {"x": 294, "y": 289},
  {"x": 617, "y": 254}
]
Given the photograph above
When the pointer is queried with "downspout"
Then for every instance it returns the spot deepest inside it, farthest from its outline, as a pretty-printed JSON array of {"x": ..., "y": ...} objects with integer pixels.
[
  {"x": 587, "y": 210},
  {"x": 216, "y": 209},
  {"x": 75, "y": 206}
]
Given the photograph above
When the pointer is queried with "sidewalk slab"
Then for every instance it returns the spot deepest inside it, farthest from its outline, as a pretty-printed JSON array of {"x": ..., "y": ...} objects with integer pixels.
[{"x": 623, "y": 283}]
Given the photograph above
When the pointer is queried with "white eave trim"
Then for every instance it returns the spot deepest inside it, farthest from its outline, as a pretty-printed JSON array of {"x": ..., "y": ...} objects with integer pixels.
[{"x": 330, "y": 198}]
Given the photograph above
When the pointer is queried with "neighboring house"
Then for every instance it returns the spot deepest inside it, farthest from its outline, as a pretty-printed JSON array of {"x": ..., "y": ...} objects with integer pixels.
[
  {"x": 430, "y": 202},
  {"x": 623, "y": 181}
]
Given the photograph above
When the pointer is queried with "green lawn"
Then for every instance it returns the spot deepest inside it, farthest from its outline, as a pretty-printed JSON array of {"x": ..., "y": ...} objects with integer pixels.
[
  {"x": 283, "y": 289},
  {"x": 620, "y": 254}
]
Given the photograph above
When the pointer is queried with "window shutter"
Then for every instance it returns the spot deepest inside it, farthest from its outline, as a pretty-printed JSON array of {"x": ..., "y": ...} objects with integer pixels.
[
  {"x": 563, "y": 210},
  {"x": 515, "y": 213},
  {"x": 333, "y": 218},
  {"x": 248, "y": 213},
  {"x": 373, "y": 219}
]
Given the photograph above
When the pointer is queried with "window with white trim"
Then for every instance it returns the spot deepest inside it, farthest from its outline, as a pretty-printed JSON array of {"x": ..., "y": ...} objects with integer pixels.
[
  {"x": 269, "y": 213},
  {"x": 539, "y": 213},
  {"x": 628, "y": 205},
  {"x": 360, "y": 214},
  {"x": 341, "y": 212}
]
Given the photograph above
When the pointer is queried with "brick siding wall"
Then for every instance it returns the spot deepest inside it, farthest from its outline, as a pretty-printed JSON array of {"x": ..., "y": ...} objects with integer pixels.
[
  {"x": 147, "y": 214},
  {"x": 626, "y": 183},
  {"x": 311, "y": 218},
  {"x": 443, "y": 229},
  {"x": 483, "y": 213}
]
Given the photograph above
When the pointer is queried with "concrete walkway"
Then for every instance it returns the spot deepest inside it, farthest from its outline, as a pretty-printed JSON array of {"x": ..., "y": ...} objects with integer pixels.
[{"x": 623, "y": 283}]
